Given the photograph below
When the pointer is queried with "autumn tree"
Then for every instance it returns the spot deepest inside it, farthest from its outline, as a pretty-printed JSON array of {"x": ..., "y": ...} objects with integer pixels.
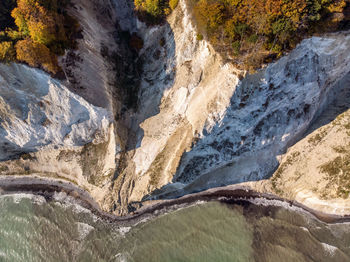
[
  {"x": 173, "y": 4},
  {"x": 246, "y": 28},
  {"x": 43, "y": 24},
  {"x": 40, "y": 31},
  {"x": 7, "y": 52},
  {"x": 36, "y": 54}
]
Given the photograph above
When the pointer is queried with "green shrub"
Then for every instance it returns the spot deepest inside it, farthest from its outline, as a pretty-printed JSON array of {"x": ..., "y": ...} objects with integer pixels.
[
  {"x": 236, "y": 45},
  {"x": 153, "y": 7},
  {"x": 200, "y": 37},
  {"x": 253, "y": 39},
  {"x": 154, "y": 11}
]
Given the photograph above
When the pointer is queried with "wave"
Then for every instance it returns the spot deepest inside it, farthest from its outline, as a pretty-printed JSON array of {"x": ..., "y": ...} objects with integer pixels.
[{"x": 69, "y": 194}]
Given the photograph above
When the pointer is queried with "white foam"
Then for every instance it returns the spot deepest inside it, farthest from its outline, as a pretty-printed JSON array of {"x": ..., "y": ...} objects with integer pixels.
[
  {"x": 273, "y": 202},
  {"x": 124, "y": 230},
  {"x": 17, "y": 198},
  {"x": 65, "y": 201},
  {"x": 120, "y": 257},
  {"x": 2, "y": 254}
]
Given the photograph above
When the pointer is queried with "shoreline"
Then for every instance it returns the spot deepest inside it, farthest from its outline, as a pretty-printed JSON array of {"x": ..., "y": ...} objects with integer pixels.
[{"x": 229, "y": 194}]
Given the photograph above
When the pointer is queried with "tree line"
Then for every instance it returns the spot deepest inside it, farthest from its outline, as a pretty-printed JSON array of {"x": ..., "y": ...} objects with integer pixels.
[
  {"x": 35, "y": 32},
  {"x": 250, "y": 32}
]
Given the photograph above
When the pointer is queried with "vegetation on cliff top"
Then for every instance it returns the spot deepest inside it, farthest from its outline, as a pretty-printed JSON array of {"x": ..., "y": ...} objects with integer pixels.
[
  {"x": 154, "y": 11},
  {"x": 35, "y": 32},
  {"x": 251, "y": 32}
]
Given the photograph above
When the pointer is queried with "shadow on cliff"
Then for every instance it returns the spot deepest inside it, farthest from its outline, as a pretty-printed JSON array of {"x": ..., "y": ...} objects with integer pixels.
[
  {"x": 144, "y": 71},
  {"x": 260, "y": 124},
  {"x": 23, "y": 91},
  {"x": 338, "y": 104},
  {"x": 225, "y": 143}
]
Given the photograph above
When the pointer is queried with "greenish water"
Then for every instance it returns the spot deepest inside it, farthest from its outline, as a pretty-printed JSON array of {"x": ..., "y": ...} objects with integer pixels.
[{"x": 32, "y": 229}]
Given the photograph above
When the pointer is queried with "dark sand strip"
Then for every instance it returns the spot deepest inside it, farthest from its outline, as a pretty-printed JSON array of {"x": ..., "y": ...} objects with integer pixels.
[{"x": 231, "y": 194}]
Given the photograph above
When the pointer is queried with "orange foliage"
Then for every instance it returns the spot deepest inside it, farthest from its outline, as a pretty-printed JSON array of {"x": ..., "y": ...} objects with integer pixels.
[
  {"x": 7, "y": 52},
  {"x": 43, "y": 25},
  {"x": 42, "y": 30},
  {"x": 244, "y": 27},
  {"x": 36, "y": 55}
]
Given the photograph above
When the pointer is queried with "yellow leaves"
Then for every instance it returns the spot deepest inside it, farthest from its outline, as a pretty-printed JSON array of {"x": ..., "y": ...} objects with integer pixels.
[
  {"x": 152, "y": 7},
  {"x": 42, "y": 33},
  {"x": 7, "y": 52},
  {"x": 232, "y": 2},
  {"x": 138, "y": 4},
  {"x": 210, "y": 14},
  {"x": 35, "y": 20},
  {"x": 36, "y": 54},
  {"x": 20, "y": 21},
  {"x": 245, "y": 27},
  {"x": 173, "y": 4},
  {"x": 230, "y": 29},
  {"x": 154, "y": 11},
  {"x": 337, "y": 7}
]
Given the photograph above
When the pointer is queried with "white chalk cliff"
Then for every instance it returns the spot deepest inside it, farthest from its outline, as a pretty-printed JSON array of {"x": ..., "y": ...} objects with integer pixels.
[
  {"x": 38, "y": 111},
  {"x": 191, "y": 121}
]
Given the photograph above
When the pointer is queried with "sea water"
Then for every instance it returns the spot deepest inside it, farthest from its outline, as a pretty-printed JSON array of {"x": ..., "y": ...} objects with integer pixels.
[{"x": 34, "y": 229}]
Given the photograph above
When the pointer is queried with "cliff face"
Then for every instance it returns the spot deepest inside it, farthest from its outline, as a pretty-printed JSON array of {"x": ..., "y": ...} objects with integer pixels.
[
  {"x": 66, "y": 130},
  {"x": 170, "y": 119},
  {"x": 211, "y": 128},
  {"x": 268, "y": 112},
  {"x": 315, "y": 171},
  {"x": 37, "y": 111},
  {"x": 48, "y": 131},
  {"x": 185, "y": 86}
]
